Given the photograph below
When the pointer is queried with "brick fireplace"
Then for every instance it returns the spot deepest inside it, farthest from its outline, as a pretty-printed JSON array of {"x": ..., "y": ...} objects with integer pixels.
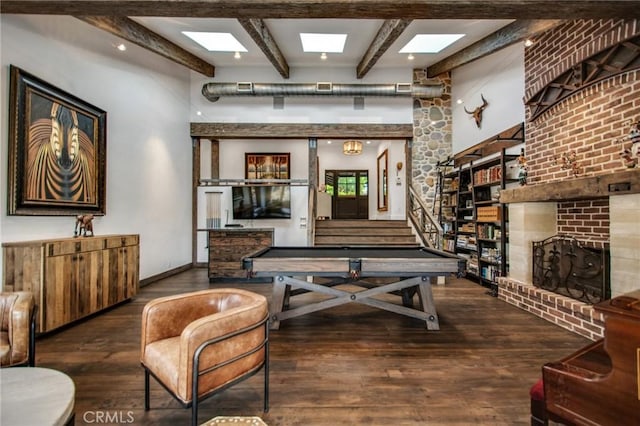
[{"x": 594, "y": 197}]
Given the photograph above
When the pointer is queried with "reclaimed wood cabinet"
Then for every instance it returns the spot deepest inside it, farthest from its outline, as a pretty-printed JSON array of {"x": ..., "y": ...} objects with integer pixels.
[
  {"x": 227, "y": 247},
  {"x": 73, "y": 278}
]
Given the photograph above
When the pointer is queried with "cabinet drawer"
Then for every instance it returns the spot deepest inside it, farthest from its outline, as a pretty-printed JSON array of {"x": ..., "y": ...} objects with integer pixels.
[
  {"x": 77, "y": 245},
  {"x": 121, "y": 241}
]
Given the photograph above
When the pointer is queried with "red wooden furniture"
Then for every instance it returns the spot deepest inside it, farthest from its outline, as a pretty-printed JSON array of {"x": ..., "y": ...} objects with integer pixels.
[{"x": 600, "y": 383}]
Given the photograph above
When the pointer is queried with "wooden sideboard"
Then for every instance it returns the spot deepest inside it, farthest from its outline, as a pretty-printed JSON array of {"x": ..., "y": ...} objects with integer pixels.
[
  {"x": 228, "y": 246},
  {"x": 72, "y": 278}
]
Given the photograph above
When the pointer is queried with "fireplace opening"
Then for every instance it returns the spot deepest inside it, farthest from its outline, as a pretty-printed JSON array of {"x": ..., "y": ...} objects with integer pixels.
[{"x": 563, "y": 265}]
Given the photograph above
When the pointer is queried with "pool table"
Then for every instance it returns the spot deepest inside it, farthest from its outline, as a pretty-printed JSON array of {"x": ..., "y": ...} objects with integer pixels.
[{"x": 413, "y": 267}]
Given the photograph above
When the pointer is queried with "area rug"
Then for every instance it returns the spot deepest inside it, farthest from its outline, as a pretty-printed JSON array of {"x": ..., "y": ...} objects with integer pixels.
[{"x": 235, "y": 421}]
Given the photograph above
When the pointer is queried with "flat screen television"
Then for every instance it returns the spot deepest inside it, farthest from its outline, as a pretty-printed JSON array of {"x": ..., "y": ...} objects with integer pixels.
[{"x": 261, "y": 202}]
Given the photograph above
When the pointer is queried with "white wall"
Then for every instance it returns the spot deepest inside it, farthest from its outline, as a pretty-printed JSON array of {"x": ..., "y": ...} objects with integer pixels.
[
  {"x": 287, "y": 232},
  {"x": 500, "y": 79},
  {"x": 148, "y": 143},
  {"x": 332, "y": 158}
]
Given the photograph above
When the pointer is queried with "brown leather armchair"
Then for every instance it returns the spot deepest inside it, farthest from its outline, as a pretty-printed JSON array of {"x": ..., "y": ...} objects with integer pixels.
[
  {"x": 17, "y": 329},
  {"x": 198, "y": 344}
]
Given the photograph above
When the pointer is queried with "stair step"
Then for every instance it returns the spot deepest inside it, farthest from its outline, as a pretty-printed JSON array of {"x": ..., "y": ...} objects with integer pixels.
[
  {"x": 365, "y": 239},
  {"x": 364, "y": 233},
  {"x": 364, "y": 230},
  {"x": 323, "y": 224}
]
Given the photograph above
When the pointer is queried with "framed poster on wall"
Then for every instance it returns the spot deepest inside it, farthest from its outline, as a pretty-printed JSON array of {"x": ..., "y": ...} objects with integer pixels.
[
  {"x": 57, "y": 150},
  {"x": 266, "y": 166}
]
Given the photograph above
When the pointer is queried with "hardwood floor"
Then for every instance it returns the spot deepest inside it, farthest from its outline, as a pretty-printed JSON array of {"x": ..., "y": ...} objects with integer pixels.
[{"x": 349, "y": 365}]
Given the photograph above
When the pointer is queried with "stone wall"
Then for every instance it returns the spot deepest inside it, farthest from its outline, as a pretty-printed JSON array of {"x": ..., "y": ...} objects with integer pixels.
[{"x": 432, "y": 140}]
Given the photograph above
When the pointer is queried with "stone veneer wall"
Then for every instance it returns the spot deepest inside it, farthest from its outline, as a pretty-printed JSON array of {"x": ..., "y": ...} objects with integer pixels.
[{"x": 432, "y": 140}]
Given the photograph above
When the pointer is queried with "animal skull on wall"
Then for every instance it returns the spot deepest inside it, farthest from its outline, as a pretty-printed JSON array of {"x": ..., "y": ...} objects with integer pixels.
[{"x": 477, "y": 113}]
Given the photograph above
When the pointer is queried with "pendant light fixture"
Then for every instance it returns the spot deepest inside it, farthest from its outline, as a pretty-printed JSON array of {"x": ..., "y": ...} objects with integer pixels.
[{"x": 352, "y": 147}]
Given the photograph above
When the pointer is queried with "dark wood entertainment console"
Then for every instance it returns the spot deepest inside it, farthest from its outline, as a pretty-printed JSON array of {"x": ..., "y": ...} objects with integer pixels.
[{"x": 227, "y": 247}]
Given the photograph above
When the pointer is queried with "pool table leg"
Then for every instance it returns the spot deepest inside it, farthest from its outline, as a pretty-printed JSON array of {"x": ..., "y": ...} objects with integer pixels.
[
  {"x": 427, "y": 303},
  {"x": 278, "y": 299}
]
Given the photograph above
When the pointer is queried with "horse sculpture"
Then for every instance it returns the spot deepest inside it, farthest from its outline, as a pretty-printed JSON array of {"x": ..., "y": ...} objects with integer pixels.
[{"x": 84, "y": 224}]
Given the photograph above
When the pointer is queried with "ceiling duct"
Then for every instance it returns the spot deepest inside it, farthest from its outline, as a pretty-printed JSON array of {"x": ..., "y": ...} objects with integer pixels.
[{"x": 214, "y": 91}]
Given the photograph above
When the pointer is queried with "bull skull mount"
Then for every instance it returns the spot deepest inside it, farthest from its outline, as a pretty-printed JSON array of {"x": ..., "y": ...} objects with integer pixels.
[{"x": 477, "y": 113}]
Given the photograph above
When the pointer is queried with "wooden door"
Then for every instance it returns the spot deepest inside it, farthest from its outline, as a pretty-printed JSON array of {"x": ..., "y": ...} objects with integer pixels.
[{"x": 350, "y": 190}]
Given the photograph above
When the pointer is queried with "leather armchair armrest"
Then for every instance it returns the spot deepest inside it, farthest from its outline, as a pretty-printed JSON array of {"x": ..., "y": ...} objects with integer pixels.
[
  {"x": 222, "y": 325},
  {"x": 20, "y": 325}
]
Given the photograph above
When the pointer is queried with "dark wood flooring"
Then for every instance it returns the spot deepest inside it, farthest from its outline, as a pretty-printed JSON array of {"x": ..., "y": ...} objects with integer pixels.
[{"x": 350, "y": 365}]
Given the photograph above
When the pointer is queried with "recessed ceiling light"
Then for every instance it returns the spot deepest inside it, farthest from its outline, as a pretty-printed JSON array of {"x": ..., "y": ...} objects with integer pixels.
[
  {"x": 411, "y": 57},
  {"x": 121, "y": 47},
  {"x": 237, "y": 55},
  {"x": 430, "y": 43},
  {"x": 323, "y": 56},
  {"x": 328, "y": 142},
  {"x": 328, "y": 43},
  {"x": 216, "y": 42}
]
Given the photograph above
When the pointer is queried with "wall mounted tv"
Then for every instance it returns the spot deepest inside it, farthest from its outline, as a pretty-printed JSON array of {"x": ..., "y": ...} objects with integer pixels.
[{"x": 261, "y": 202}]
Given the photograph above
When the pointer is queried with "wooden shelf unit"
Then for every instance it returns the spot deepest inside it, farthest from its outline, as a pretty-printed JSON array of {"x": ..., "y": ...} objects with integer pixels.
[
  {"x": 72, "y": 278},
  {"x": 474, "y": 222}
]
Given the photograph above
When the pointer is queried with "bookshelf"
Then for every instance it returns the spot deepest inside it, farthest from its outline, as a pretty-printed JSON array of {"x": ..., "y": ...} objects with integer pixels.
[{"x": 474, "y": 222}]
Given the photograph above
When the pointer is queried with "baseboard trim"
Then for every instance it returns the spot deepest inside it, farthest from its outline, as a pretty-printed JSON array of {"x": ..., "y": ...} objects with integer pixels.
[{"x": 166, "y": 274}]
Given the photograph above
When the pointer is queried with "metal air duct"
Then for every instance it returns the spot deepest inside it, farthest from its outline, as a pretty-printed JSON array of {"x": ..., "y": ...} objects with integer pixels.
[{"x": 213, "y": 91}]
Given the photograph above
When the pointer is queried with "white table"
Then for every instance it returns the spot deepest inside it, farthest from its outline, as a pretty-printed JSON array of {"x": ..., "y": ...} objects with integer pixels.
[{"x": 31, "y": 396}]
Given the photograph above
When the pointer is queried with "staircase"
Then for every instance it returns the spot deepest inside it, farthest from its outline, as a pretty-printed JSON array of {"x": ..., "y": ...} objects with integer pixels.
[{"x": 364, "y": 233}]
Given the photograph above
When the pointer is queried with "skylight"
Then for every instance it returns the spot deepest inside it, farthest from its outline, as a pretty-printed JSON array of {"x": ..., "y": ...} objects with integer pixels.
[
  {"x": 430, "y": 43},
  {"x": 326, "y": 43},
  {"x": 216, "y": 42}
]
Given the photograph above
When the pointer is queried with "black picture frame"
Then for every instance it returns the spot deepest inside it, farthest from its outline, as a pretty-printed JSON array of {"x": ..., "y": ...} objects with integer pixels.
[{"x": 57, "y": 150}]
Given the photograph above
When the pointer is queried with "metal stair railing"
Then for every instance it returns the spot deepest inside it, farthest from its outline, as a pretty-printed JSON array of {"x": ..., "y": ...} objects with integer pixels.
[{"x": 426, "y": 225}]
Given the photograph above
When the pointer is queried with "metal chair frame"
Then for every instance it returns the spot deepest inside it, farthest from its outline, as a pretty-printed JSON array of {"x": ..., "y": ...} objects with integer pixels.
[{"x": 195, "y": 398}]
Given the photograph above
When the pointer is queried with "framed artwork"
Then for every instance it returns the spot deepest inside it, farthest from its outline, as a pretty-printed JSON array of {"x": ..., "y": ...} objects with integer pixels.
[
  {"x": 383, "y": 181},
  {"x": 266, "y": 166},
  {"x": 57, "y": 150}
]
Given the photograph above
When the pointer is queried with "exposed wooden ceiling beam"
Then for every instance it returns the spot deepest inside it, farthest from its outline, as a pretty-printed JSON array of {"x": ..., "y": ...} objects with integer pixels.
[
  {"x": 387, "y": 34},
  {"x": 506, "y": 36},
  {"x": 132, "y": 31},
  {"x": 346, "y": 9},
  {"x": 259, "y": 32},
  {"x": 300, "y": 130}
]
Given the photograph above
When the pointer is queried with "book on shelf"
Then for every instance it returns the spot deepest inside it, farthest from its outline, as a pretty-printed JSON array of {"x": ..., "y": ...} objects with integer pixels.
[{"x": 490, "y": 175}]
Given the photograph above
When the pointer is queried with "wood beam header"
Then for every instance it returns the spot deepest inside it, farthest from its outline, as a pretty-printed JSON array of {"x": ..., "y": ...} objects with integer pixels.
[
  {"x": 300, "y": 131},
  {"x": 581, "y": 188},
  {"x": 387, "y": 34},
  {"x": 132, "y": 31},
  {"x": 259, "y": 32},
  {"x": 345, "y": 9},
  {"x": 512, "y": 33}
]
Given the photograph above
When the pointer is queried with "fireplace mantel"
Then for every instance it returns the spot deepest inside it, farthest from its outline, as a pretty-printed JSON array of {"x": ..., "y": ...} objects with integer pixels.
[{"x": 581, "y": 188}]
